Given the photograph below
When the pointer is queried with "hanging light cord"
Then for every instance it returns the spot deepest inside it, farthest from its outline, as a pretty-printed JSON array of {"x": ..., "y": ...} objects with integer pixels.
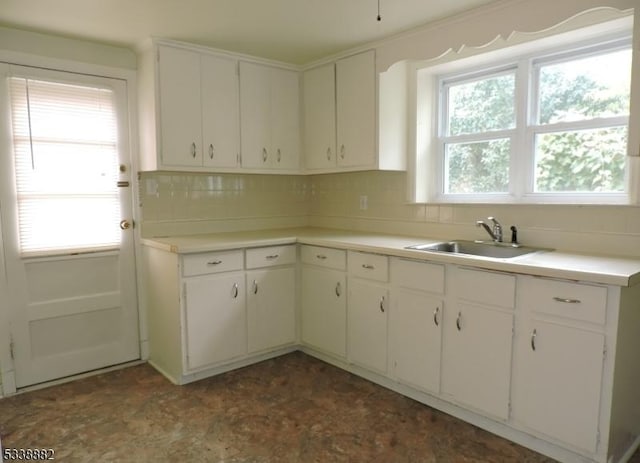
[{"x": 379, "y": 17}]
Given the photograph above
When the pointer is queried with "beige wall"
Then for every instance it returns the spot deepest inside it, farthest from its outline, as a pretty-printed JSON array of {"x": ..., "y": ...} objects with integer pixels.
[{"x": 205, "y": 203}]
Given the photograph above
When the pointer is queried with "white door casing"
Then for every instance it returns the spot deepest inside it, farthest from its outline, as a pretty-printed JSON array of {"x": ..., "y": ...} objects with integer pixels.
[{"x": 68, "y": 312}]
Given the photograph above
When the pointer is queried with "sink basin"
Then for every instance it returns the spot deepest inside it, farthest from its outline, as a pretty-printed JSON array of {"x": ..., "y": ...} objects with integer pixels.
[{"x": 479, "y": 248}]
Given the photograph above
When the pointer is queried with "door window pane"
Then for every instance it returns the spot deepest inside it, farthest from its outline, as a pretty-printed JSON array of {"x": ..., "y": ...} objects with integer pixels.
[{"x": 66, "y": 159}]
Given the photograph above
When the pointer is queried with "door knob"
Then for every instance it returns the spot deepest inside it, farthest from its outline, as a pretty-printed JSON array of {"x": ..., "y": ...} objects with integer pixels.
[{"x": 125, "y": 224}]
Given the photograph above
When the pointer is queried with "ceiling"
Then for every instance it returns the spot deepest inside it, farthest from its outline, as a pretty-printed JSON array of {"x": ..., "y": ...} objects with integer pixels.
[{"x": 294, "y": 31}]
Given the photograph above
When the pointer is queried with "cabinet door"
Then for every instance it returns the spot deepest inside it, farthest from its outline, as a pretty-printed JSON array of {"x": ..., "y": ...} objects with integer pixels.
[
  {"x": 271, "y": 308},
  {"x": 476, "y": 361},
  {"x": 324, "y": 310},
  {"x": 220, "y": 118},
  {"x": 320, "y": 117},
  {"x": 415, "y": 335},
  {"x": 180, "y": 107},
  {"x": 215, "y": 319},
  {"x": 558, "y": 375},
  {"x": 285, "y": 119},
  {"x": 255, "y": 115},
  {"x": 367, "y": 325},
  {"x": 356, "y": 109}
]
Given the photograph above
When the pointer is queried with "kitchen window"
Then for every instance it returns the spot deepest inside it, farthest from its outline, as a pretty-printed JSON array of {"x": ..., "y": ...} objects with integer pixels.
[{"x": 545, "y": 127}]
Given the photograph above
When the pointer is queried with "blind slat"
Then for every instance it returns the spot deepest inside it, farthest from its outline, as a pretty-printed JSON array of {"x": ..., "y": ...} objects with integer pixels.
[{"x": 66, "y": 158}]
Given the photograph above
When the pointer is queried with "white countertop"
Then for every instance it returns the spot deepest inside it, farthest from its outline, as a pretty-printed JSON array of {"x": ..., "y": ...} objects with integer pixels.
[{"x": 610, "y": 270}]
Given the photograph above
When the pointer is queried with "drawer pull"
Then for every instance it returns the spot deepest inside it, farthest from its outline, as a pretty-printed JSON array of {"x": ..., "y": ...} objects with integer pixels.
[
  {"x": 338, "y": 289},
  {"x": 255, "y": 287},
  {"x": 533, "y": 340},
  {"x": 565, "y": 300},
  {"x": 235, "y": 290},
  {"x": 321, "y": 256},
  {"x": 272, "y": 256},
  {"x": 214, "y": 262},
  {"x": 435, "y": 316},
  {"x": 368, "y": 266},
  {"x": 458, "y": 321},
  {"x": 382, "y": 304}
]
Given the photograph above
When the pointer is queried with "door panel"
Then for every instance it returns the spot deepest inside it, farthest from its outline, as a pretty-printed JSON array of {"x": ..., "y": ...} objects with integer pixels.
[{"x": 69, "y": 310}]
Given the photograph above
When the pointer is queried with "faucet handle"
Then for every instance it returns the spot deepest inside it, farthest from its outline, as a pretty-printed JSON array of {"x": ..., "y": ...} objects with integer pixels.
[{"x": 494, "y": 220}]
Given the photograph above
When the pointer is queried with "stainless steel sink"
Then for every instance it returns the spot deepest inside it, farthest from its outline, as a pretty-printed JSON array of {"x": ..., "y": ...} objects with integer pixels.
[{"x": 479, "y": 248}]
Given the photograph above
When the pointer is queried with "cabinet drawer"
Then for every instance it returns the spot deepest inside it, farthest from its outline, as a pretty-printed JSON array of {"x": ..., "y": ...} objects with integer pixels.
[
  {"x": 370, "y": 266},
  {"x": 324, "y": 257},
  {"x": 422, "y": 276},
  {"x": 270, "y": 256},
  {"x": 485, "y": 287},
  {"x": 565, "y": 299},
  {"x": 211, "y": 262}
]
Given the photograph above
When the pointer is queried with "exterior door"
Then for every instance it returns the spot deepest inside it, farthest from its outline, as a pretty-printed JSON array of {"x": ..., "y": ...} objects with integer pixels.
[{"x": 72, "y": 303}]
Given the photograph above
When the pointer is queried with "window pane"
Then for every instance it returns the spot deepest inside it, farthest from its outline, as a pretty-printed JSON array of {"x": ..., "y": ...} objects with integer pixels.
[
  {"x": 66, "y": 158},
  {"x": 581, "y": 161},
  {"x": 478, "y": 167},
  {"x": 481, "y": 106},
  {"x": 595, "y": 86}
]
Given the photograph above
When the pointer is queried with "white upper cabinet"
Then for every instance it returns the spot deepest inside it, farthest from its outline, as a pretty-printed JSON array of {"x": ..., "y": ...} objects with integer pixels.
[
  {"x": 269, "y": 117},
  {"x": 198, "y": 110},
  {"x": 356, "y": 110},
  {"x": 180, "y": 107},
  {"x": 340, "y": 107},
  {"x": 220, "y": 107},
  {"x": 319, "y": 90}
]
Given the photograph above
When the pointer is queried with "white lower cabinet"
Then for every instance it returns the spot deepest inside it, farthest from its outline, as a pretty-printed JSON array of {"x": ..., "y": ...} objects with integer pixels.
[
  {"x": 477, "y": 341},
  {"x": 271, "y": 296},
  {"x": 559, "y": 361},
  {"x": 367, "y": 310},
  {"x": 551, "y": 364},
  {"x": 216, "y": 319},
  {"x": 271, "y": 308},
  {"x": 367, "y": 325},
  {"x": 324, "y": 299},
  {"x": 324, "y": 310},
  {"x": 415, "y": 323}
]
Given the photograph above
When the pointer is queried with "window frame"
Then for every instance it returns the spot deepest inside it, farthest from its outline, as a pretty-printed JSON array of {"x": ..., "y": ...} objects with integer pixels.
[{"x": 522, "y": 166}]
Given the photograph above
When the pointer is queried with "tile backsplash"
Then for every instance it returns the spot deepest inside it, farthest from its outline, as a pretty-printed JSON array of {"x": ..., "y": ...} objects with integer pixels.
[{"x": 188, "y": 203}]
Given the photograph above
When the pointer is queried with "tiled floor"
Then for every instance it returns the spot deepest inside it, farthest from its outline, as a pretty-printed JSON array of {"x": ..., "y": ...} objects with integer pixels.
[{"x": 291, "y": 409}]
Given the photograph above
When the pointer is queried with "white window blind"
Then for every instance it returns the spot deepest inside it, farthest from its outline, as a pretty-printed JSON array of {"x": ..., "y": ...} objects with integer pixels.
[{"x": 66, "y": 160}]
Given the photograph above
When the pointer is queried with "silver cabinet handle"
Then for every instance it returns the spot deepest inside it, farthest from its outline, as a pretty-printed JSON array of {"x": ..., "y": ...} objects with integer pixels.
[
  {"x": 193, "y": 149},
  {"x": 342, "y": 150},
  {"x": 255, "y": 287},
  {"x": 458, "y": 321},
  {"x": 338, "y": 289},
  {"x": 533, "y": 339},
  {"x": 435, "y": 316},
  {"x": 368, "y": 266},
  {"x": 235, "y": 290},
  {"x": 278, "y": 155},
  {"x": 214, "y": 262},
  {"x": 211, "y": 150},
  {"x": 264, "y": 154},
  {"x": 272, "y": 256},
  {"x": 382, "y": 304},
  {"x": 329, "y": 154},
  {"x": 321, "y": 256},
  {"x": 566, "y": 300}
]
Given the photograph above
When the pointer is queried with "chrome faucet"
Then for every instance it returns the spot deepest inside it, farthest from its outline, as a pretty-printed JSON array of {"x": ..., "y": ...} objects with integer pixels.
[{"x": 495, "y": 233}]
